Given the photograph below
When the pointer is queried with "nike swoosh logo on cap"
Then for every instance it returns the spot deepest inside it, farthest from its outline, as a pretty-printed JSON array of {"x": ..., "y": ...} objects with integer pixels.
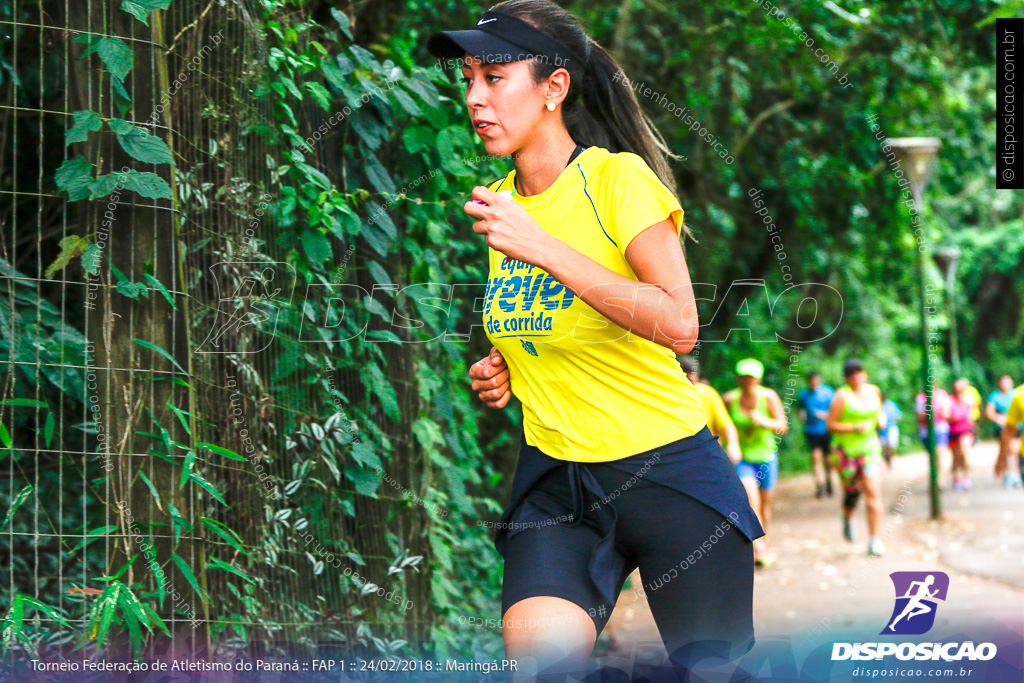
[{"x": 484, "y": 21}]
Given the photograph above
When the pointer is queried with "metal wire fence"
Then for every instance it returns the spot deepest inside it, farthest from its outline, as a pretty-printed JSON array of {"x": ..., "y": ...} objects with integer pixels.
[{"x": 147, "y": 371}]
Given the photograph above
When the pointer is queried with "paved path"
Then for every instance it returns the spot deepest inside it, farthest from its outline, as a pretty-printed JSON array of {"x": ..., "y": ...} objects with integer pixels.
[{"x": 821, "y": 586}]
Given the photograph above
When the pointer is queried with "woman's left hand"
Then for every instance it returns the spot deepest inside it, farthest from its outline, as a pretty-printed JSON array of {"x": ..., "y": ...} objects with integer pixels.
[{"x": 508, "y": 227}]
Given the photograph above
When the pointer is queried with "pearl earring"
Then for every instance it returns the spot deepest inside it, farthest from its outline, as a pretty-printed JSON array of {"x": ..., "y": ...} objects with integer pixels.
[{"x": 551, "y": 106}]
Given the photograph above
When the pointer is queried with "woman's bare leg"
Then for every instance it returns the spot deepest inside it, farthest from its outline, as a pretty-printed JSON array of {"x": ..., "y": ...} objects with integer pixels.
[
  {"x": 873, "y": 494},
  {"x": 547, "y": 633},
  {"x": 754, "y": 498},
  {"x": 818, "y": 456},
  {"x": 766, "y": 508},
  {"x": 966, "y": 441}
]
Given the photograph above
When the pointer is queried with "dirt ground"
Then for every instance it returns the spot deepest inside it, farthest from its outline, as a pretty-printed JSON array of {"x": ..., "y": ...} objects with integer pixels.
[{"x": 822, "y": 587}]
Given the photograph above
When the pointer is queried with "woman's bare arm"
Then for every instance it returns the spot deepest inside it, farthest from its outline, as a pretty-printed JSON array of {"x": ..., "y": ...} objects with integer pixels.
[
  {"x": 778, "y": 423},
  {"x": 660, "y": 307}
]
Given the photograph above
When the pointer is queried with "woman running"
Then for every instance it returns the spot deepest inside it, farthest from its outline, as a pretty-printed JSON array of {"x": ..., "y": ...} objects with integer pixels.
[
  {"x": 889, "y": 436},
  {"x": 995, "y": 410},
  {"x": 617, "y": 469},
  {"x": 961, "y": 433},
  {"x": 814, "y": 400},
  {"x": 719, "y": 421},
  {"x": 854, "y": 419},
  {"x": 940, "y": 411},
  {"x": 1012, "y": 425},
  {"x": 758, "y": 415}
]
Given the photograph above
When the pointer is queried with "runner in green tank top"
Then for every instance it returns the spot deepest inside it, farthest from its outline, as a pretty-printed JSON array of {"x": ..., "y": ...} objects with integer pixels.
[
  {"x": 853, "y": 418},
  {"x": 757, "y": 443},
  {"x": 757, "y": 413}
]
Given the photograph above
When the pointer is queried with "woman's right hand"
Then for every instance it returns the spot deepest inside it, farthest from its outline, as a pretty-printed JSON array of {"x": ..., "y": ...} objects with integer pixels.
[{"x": 491, "y": 379}]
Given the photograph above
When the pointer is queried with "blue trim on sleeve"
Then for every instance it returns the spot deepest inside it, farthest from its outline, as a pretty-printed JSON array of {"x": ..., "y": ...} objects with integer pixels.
[{"x": 594, "y": 207}]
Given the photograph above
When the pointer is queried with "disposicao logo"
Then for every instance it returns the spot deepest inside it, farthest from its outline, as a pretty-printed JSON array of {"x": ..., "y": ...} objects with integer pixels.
[
  {"x": 916, "y": 593},
  {"x": 914, "y": 614}
]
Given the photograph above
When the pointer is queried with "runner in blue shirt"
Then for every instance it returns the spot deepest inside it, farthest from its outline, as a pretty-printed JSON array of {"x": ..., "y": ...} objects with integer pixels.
[
  {"x": 995, "y": 410},
  {"x": 890, "y": 436},
  {"x": 814, "y": 401}
]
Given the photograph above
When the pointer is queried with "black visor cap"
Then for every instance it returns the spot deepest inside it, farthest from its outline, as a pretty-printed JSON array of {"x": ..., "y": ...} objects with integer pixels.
[
  {"x": 487, "y": 48},
  {"x": 499, "y": 39}
]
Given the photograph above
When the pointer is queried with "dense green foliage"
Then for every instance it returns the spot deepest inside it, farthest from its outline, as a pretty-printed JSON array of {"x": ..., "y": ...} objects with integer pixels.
[{"x": 369, "y": 158}]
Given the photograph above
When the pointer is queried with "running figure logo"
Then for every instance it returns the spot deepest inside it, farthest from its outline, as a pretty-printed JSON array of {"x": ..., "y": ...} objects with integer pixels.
[
  {"x": 249, "y": 297},
  {"x": 916, "y": 593}
]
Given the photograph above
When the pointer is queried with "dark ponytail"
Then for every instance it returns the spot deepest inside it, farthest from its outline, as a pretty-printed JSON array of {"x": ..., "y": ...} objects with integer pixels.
[{"x": 601, "y": 108}]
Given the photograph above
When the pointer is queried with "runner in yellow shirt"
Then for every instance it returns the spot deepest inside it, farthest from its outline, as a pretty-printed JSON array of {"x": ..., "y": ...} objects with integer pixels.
[
  {"x": 587, "y": 306},
  {"x": 1014, "y": 416},
  {"x": 719, "y": 422},
  {"x": 976, "y": 410}
]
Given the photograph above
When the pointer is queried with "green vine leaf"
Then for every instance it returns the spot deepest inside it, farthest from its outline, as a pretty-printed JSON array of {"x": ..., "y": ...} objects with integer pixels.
[
  {"x": 91, "y": 258},
  {"x": 163, "y": 353},
  {"x": 417, "y": 137},
  {"x": 215, "y": 563},
  {"x": 140, "y": 144},
  {"x": 366, "y": 483},
  {"x": 104, "y": 185},
  {"x": 314, "y": 175},
  {"x": 70, "y": 247},
  {"x": 124, "y": 100},
  {"x": 186, "y": 468},
  {"x": 449, "y": 141},
  {"x": 186, "y": 571},
  {"x": 364, "y": 454},
  {"x": 377, "y": 174},
  {"x": 208, "y": 487},
  {"x": 140, "y": 9},
  {"x": 75, "y": 177},
  {"x": 125, "y": 286},
  {"x": 224, "y": 532},
  {"x": 147, "y": 184},
  {"x": 426, "y": 90},
  {"x": 290, "y": 86},
  {"x": 220, "y": 450},
  {"x": 94, "y": 535},
  {"x": 364, "y": 57},
  {"x": 48, "y": 428},
  {"x": 132, "y": 290},
  {"x": 343, "y": 22},
  {"x": 115, "y": 54},
  {"x": 334, "y": 75},
  {"x": 152, "y": 489},
  {"x": 160, "y": 286},
  {"x": 22, "y": 496},
  {"x": 382, "y": 219},
  {"x": 1004, "y": 12},
  {"x": 179, "y": 521},
  {"x": 408, "y": 103},
  {"x": 85, "y": 121},
  {"x": 317, "y": 247},
  {"x": 373, "y": 377},
  {"x": 319, "y": 93}
]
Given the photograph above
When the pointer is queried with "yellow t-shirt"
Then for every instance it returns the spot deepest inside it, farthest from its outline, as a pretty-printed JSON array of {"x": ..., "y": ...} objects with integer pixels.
[
  {"x": 714, "y": 407},
  {"x": 591, "y": 391},
  {"x": 976, "y": 408},
  {"x": 1015, "y": 413}
]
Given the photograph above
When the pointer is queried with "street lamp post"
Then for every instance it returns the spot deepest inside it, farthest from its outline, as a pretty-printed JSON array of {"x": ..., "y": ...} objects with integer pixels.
[
  {"x": 918, "y": 155},
  {"x": 946, "y": 259}
]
